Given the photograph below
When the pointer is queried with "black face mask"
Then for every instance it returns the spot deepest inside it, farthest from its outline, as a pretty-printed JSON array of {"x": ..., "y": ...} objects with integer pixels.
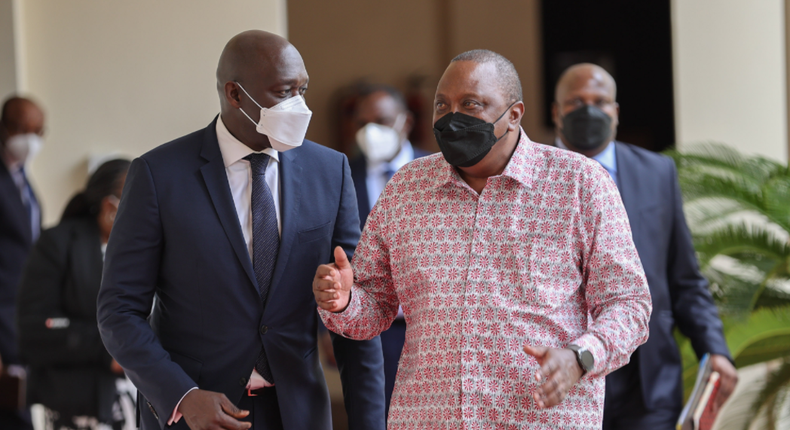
[
  {"x": 587, "y": 127},
  {"x": 465, "y": 140}
]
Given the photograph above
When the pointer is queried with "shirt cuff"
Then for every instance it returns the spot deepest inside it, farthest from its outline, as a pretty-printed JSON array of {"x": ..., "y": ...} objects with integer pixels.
[
  {"x": 176, "y": 416},
  {"x": 340, "y": 322},
  {"x": 595, "y": 346}
]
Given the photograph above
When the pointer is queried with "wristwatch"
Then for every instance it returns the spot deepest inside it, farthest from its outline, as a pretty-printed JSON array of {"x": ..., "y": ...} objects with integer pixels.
[{"x": 583, "y": 357}]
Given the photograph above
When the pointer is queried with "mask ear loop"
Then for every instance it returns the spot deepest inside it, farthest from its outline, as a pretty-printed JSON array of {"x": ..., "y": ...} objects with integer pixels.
[
  {"x": 500, "y": 117},
  {"x": 253, "y": 100}
]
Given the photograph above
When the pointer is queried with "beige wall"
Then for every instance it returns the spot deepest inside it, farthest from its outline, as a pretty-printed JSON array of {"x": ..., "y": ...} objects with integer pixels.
[
  {"x": 481, "y": 27},
  {"x": 386, "y": 42},
  {"x": 730, "y": 74},
  {"x": 342, "y": 42},
  {"x": 124, "y": 76},
  {"x": 8, "y": 82}
]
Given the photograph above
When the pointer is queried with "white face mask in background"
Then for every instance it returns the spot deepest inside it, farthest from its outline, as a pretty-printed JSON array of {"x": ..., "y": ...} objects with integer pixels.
[
  {"x": 24, "y": 147},
  {"x": 285, "y": 123},
  {"x": 379, "y": 142}
]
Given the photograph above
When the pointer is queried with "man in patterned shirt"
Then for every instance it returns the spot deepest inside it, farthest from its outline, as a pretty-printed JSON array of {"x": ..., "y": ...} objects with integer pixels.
[{"x": 513, "y": 263}]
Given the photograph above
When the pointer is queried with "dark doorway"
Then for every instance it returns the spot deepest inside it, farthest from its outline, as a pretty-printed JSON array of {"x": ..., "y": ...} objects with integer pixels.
[{"x": 632, "y": 40}]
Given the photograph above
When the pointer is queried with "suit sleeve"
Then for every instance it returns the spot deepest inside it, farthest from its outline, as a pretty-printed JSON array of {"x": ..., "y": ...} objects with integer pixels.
[
  {"x": 692, "y": 305},
  {"x": 361, "y": 363},
  {"x": 131, "y": 269},
  {"x": 40, "y": 298},
  {"x": 615, "y": 287}
]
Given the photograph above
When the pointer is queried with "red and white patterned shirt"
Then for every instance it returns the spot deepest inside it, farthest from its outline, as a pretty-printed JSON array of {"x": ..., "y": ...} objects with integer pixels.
[{"x": 543, "y": 256}]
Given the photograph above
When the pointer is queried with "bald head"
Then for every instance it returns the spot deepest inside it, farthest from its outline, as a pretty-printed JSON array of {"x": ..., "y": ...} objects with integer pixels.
[
  {"x": 585, "y": 111},
  {"x": 256, "y": 69},
  {"x": 250, "y": 52},
  {"x": 583, "y": 74},
  {"x": 20, "y": 116}
]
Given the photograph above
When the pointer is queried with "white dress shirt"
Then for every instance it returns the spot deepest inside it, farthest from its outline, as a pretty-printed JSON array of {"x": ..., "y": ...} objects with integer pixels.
[
  {"x": 376, "y": 177},
  {"x": 240, "y": 181}
]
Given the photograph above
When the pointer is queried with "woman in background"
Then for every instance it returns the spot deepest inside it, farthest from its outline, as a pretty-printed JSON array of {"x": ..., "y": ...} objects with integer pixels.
[{"x": 70, "y": 372}]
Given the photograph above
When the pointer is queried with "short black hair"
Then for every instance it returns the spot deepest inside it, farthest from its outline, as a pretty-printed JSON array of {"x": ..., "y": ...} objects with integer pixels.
[
  {"x": 507, "y": 76},
  {"x": 369, "y": 89},
  {"x": 105, "y": 181},
  {"x": 8, "y": 118}
]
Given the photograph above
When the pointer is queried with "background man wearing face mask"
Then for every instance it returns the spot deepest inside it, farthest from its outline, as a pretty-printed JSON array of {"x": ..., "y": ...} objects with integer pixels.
[
  {"x": 21, "y": 128},
  {"x": 512, "y": 261},
  {"x": 647, "y": 392},
  {"x": 225, "y": 226},
  {"x": 384, "y": 125}
]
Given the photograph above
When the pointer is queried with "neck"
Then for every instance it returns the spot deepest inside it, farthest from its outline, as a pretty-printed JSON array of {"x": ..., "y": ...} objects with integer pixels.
[
  {"x": 248, "y": 136},
  {"x": 492, "y": 165}
]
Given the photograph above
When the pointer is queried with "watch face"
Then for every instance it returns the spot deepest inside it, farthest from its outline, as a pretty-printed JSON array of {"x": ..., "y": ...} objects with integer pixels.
[{"x": 587, "y": 360}]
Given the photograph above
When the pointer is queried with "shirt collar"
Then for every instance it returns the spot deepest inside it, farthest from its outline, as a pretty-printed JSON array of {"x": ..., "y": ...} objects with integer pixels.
[
  {"x": 405, "y": 155},
  {"x": 606, "y": 158},
  {"x": 232, "y": 149},
  {"x": 520, "y": 167}
]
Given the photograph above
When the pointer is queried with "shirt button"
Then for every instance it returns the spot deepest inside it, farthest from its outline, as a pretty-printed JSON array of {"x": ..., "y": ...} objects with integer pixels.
[
  {"x": 264, "y": 329},
  {"x": 243, "y": 382}
]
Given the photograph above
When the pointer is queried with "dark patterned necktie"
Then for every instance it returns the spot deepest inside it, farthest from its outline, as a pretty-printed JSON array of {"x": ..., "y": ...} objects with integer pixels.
[{"x": 265, "y": 239}]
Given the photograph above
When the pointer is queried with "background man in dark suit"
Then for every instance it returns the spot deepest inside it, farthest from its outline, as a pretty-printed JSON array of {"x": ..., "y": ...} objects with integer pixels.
[
  {"x": 384, "y": 123},
  {"x": 225, "y": 227},
  {"x": 646, "y": 393},
  {"x": 21, "y": 128}
]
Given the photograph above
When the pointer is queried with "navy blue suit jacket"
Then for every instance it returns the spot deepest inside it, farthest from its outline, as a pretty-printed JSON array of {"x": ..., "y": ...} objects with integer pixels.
[
  {"x": 16, "y": 240},
  {"x": 651, "y": 196},
  {"x": 177, "y": 236},
  {"x": 359, "y": 173}
]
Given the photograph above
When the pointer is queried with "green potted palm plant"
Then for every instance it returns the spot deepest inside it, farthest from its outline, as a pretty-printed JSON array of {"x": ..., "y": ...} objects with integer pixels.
[{"x": 738, "y": 210}]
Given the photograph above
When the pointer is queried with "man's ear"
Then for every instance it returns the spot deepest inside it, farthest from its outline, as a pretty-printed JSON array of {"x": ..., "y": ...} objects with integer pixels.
[
  {"x": 232, "y": 94},
  {"x": 516, "y": 113}
]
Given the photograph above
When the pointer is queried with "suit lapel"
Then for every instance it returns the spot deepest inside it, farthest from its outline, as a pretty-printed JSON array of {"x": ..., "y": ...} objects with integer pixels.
[
  {"x": 13, "y": 198},
  {"x": 628, "y": 183},
  {"x": 290, "y": 195},
  {"x": 216, "y": 180},
  {"x": 359, "y": 174}
]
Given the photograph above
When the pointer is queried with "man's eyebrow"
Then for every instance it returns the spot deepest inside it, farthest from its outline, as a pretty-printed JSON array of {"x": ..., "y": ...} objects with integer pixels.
[{"x": 291, "y": 82}]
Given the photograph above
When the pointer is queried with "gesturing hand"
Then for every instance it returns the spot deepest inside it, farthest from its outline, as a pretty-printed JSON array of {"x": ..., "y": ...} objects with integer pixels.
[
  {"x": 207, "y": 410},
  {"x": 558, "y": 369},
  {"x": 729, "y": 377},
  {"x": 332, "y": 283}
]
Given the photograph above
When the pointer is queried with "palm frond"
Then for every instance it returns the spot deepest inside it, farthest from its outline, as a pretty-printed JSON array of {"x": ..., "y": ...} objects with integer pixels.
[
  {"x": 773, "y": 395},
  {"x": 764, "y": 336},
  {"x": 734, "y": 295},
  {"x": 776, "y": 194},
  {"x": 742, "y": 239}
]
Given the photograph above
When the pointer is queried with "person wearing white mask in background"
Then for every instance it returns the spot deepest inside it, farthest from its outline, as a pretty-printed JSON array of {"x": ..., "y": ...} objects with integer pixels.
[
  {"x": 384, "y": 123},
  {"x": 225, "y": 227},
  {"x": 21, "y": 129}
]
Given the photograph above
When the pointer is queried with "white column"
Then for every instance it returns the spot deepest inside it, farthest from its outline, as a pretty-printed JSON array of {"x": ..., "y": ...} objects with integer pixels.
[{"x": 730, "y": 74}]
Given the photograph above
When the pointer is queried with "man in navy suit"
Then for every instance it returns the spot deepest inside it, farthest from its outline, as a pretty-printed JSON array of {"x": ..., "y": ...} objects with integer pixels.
[
  {"x": 384, "y": 123},
  {"x": 21, "y": 128},
  {"x": 225, "y": 226},
  {"x": 648, "y": 392}
]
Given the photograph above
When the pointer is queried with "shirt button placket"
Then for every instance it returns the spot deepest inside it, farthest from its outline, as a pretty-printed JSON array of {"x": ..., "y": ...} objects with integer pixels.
[{"x": 470, "y": 225}]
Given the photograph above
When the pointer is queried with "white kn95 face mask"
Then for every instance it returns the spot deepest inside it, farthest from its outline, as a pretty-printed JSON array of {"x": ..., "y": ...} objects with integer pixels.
[{"x": 284, "y": 123}]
